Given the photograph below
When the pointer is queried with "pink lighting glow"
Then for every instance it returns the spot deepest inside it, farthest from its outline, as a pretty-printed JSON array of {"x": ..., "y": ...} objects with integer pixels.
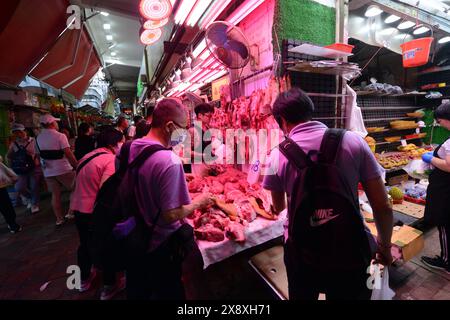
[
  {"x": 155, "y": 24},
  {"x": 197, "y": 12},
  {"x": 149, "y": 37},
  {"x": 244, "y": 10},
  {"x": 199, "y": 48},
  {"x": 184, "y": 8},
  {"x": 155, "y": 9},
  {"x": 214, "y": 12}
]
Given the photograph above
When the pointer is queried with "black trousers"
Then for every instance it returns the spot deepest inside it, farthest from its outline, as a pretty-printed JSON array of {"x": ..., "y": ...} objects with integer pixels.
[
  {"x": 444, "y": 237},
  {"x": 155, "y": 276},
  {"x": 307, "y": 282},
  {"x": 7, "y": 209},
  {"x": 84, "y": 223}
]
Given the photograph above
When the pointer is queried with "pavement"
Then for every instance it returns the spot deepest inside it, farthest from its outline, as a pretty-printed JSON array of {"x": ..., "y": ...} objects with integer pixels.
[{"x": 34, "y": 262}]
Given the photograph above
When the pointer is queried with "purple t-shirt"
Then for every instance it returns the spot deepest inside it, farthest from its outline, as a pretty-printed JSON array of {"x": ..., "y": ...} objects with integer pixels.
[
  {"x": 161, "y": 186},
  {"x": 356, "y": 161}
]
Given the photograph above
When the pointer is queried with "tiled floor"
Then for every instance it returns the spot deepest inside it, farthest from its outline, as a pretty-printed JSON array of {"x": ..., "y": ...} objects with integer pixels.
[{"x": 41, "y": 254}]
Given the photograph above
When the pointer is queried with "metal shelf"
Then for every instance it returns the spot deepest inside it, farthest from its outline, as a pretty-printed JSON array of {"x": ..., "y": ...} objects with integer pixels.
[
  {"x": 447, "y": 68},
  {"x": 386, "y": 119},
  {"x": 388, "y": 108}
]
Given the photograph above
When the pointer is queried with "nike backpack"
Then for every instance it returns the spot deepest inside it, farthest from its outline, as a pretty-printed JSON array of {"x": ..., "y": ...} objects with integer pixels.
[{"x": 326, "y": 229}]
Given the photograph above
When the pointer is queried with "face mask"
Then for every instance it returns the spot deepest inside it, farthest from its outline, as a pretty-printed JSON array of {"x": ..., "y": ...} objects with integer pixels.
[{"x": 178, "y": 137}]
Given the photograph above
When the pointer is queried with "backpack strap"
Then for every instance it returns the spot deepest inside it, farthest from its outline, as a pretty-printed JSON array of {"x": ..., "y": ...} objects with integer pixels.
[
  {"x": 331, "y": 144},
  {"x": 85, "y": 162},
  {"x": 292, "y": 151}
]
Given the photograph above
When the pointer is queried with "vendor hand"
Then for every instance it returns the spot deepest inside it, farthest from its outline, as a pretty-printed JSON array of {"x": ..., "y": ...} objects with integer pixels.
[
  {"x": 384, "y": 256},
  {"x": 427, "y": 157},
  {"x": 204, "y": 200}
]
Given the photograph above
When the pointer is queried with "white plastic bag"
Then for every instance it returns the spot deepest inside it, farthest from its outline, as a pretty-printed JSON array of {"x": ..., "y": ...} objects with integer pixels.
[
  {"x": 7, "y": 176},
  {"x": 381, "y": 289},
  {"x": 418, "y": 169}
]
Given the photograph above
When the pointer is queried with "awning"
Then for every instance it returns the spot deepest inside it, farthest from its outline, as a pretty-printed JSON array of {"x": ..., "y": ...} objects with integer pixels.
[
  {"x": 30, "y": 28},
  {"x": 71, "y": 63}
]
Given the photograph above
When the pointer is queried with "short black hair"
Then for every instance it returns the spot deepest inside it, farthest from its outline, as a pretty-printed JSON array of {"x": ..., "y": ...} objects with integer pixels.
[
  {"x": 109, "y": 138},
  {"x": 166, "y": 110},
  {"x": 142, "y": 128},
  {"x": 294, "y": 106},
  {"x": 120, "y": 120},
  {"x": 136, "y": 119},
  {"x": 443, "y": 111},
  {"x": 83, "y": 128},
  {"x": 203, "y": 108}
]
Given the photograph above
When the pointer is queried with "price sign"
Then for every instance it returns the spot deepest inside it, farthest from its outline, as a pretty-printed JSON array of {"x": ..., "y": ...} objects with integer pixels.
[{"x": 403, "y": 141}]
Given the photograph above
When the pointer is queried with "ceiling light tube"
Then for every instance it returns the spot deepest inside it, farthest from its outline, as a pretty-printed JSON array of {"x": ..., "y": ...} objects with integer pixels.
[
  {"x": 109, "y": 37},
  {"x": 444, "y": 40},
  {"x": 406, "y": 25},
  {"x": 214, "y": 12},
  {"x": 243, "y": 11},
  {"x": 198, "y": 11},
  {"x": 200, "y": 75},
  {"x": 421, "y": 30},
  {"x": 199, "y": 48},
  {"x": 184, "y": 8},
  {"x": 373, "y": 11},
  {"x": 392, "y": 18},
  {"x": 215, "y": 76},
  {"x": 107, "y": 26}
]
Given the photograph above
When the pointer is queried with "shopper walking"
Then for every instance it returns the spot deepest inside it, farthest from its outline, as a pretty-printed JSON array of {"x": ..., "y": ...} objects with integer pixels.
[
  {"x": 131, "y": 132},
  {"x": 93, "y": 170},
  {"x": 437, "y": 209},
  {"x": 163, "y": 201},
  {"x": 142, "y": 129},
  {"x": 7, "y": 178},
  {"x": 122, "y": 124},
  {"x": 85, "y": 141},
  {"x": 24, "y": 161},
  {"x": 57, "y": 161},
  {"x": 327, "y": 249}
]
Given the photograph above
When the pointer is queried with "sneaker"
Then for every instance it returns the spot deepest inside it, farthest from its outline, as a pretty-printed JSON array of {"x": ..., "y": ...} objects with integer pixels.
[
  {"x": 70, "y": 216},
  {"x": 35, "y": 209},
  {"x": 29, "y": 205},
  {"x": 435, "y": 263},
  {"x": 60, "y": 223},
  {"x": 108, "y": 292},
  {"x": 86, "y": 285},
  {"x": 15, "y": 230}
]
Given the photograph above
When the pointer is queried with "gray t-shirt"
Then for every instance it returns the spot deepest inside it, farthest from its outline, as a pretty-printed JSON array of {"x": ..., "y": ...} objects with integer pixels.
[{"x": 161, "y": 186}]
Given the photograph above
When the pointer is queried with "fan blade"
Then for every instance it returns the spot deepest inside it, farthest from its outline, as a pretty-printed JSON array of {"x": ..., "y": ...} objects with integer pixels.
[
  {"x": 224, "y": 56},
  {"x": 217, "y": 34},
  {"x": 238, "y": 47}
]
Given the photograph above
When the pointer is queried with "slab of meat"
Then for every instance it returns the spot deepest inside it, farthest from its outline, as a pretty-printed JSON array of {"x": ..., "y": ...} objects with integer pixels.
[
  {"x": 216, "y": 187},
  {"x": 235, "y": 231},
  {"x": 233, "y": 195},
  {"x": 245, "y": 210},
  {"x": 229, "y": 186},
  {"x": 202, "y": 220},
  {"x": 196, "y": 185},
  {"x": 194, "y": 215},
  {"x": 209, "y": 233}
]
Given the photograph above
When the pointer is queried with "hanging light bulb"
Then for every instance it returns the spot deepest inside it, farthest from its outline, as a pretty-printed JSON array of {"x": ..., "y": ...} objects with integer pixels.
[
  {"x": 373, "y": 11},
  {"x": 421, "y": 30},
  {"x": 392, "y": 18},
  {"x": 155, "y": 9},
  {"x": 149, "y": 37},
  {"x": 155, "y": 24},
  {"x": 405, "y": 25}
]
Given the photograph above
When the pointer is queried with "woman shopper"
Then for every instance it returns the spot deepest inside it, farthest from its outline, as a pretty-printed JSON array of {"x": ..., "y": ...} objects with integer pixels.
[
  {"x": 7, "y": 178},
  {"x": 93, "y": 170},
  {"x": 23, "y": 159},
  {"x": 437, "y": 210},
  {"x": 85, "y": 142}
]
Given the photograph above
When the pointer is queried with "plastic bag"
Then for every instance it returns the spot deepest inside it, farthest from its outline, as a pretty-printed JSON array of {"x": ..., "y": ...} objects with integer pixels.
[
  {"x": 381, "y": 289},
  {"x": 418, "y": 169}
]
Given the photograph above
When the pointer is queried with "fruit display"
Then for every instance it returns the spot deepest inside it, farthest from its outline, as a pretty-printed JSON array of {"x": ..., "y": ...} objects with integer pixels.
[
  {"x": 413, "y": 151},
  {"x": 371, "y": 142},
  {"x": 418, "y": 192},
  {"x": 392, "y": 159},
  {"x": 401, "y": 125},
  {"x": 393, "y": 139},
  {"x": 396, "y": 194},
  {"x": 375, "y": 129}
]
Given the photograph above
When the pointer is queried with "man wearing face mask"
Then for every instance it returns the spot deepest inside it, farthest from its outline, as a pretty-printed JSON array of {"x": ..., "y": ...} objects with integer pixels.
[
  {"x": 163, "y": 200},
  {"x": 93, "y": 170}
]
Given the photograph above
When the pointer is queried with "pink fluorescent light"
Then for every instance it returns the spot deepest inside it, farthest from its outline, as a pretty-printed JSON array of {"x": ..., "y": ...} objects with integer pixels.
[
  {"x": 200, "y": 75},
  {"x": 172, "y": 2},
  {"x": 215, "y": 76},
  {"x": 183, "y": 11},
  {"x": 214, "y": 12},
  {"x": 243, "y": 11},
  {"x": 197, "y": 12},
  {"x": 207, "y": 75},
  {"x": 199, "y": 48}
]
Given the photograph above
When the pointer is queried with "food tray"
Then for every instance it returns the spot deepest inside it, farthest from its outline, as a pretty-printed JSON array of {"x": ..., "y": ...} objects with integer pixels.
[
  {"x": 414, "y": 200},
  {"x": 410, "y": 209}
]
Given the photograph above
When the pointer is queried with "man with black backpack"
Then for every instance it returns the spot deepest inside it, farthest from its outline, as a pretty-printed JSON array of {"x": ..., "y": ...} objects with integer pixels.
[
  {"x": 328, "y": 249},
  {"x": 25, "y": 163},
  {"x": 159, "y": 188}
]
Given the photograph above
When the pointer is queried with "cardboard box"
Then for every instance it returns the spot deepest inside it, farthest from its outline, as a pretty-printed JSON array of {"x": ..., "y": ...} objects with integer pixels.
[
  {"x": 407, "y": 241},
  {"x": 397, "y": 179}
]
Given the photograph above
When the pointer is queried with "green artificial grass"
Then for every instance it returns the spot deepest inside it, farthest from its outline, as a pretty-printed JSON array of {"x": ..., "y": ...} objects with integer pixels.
[{"x": 304, "y": 20}]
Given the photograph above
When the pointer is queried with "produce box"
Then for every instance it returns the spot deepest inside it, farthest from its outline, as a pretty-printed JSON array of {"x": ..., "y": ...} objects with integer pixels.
[
  {"x": 410, "y": 209},
  {"x": 407, "y": 241},
  {"x": 397, "y": 179}
]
